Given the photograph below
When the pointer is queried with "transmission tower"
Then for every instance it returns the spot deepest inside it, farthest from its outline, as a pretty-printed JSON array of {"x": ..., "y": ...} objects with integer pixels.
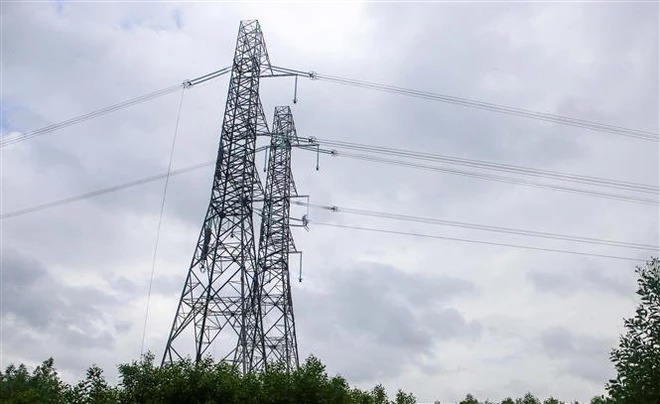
[
  {"x": 218, "y": 304},
  {"x": 275, "y": 245}
]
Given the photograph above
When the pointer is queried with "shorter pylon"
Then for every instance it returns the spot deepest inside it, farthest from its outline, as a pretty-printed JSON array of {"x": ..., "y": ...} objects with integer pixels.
[{"x": 275, "y": 246}]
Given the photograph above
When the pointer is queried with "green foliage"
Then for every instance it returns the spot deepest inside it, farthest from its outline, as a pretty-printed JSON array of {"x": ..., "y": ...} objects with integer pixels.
[
  {"x": 206, "y": 382},
  {"x": 93, "y": 389},
  {"x": 18, "y": 386},
  {"x": 404, "y": 398},
  {"x": 379, "y": 395},
  {"x": 469, "y": 399},
  {"x": 528, "y": 399},
  {"x": 637, "y": 359}
]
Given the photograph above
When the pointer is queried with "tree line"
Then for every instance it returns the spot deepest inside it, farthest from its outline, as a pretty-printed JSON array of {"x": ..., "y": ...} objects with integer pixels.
[{"x": 636, "y": 361}]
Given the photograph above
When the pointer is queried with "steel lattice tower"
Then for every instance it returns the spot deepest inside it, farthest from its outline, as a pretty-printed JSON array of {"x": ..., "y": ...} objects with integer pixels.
[
  {"x": 218, "y": 298},
  {"x": 275, "y": 245}
]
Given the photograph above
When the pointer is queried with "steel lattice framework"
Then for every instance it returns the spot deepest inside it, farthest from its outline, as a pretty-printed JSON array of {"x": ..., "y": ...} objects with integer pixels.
[
  {"x": 218, "y": 298},
  {"x": 275, "y": 245}
]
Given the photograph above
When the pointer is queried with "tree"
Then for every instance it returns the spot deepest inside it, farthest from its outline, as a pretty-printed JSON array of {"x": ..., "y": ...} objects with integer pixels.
[
  {"x": 309, "y": 381},
  {"x": 203, "y": 382},
  {"x": 404, "y": 398},
  {"x": 469, "y": 399},
  {"x": 637, "y": 359},
  {"x": 138, "y": 379},
  {"x": 379, "y": 395},
  {"x": 599, "y": 400},
  {"x": 361, "y": 397},
  {"x": 528, "y": 399},
  {"x": 93, "y": 390},
  {"x": 17, "y": 385},
  {"x": 337, "y": 390}
]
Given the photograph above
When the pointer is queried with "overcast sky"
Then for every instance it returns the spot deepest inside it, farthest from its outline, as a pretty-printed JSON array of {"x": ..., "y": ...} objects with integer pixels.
[{"x": 438, "y": 318}]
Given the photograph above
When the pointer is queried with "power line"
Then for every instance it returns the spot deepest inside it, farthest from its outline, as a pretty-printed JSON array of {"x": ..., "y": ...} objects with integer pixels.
[
  {"x": 112, "y": 108},
  {"x": 160, "y": 219},
  {"x": 489, "y": 165},
  {"x": 85, "y": 117},
  {"x": 476, "y": 226},
  {"x": 494, "y": 107},
  {"x": 146, "y": 180},
  {"x": 433, "y": 236},
  {"x": 47, "y": 205},
  {"x": 559, "y": 119},
  {"x": 98, "y": 192},
  {"x": 497, "y": 178}
]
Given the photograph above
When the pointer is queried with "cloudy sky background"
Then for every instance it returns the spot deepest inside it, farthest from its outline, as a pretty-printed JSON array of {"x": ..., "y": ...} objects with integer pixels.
[{"x": 434, "y": 317}]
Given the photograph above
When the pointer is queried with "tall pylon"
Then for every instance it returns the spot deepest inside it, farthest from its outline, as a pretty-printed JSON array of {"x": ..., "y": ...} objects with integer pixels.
[
  {"x": 275, "y": 245},
  {"x": 218, "y": 304}
]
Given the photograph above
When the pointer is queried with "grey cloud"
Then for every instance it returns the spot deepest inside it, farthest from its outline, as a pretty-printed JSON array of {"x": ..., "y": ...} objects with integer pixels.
[
  {"x": 580, "y": 355},
  {"x": 33, "y": 298},
  {"x": 481, "y": 54},
  {"x": 579, "y": 280},
  {"x": 165, "y": 285},
  {"x": 597, "y": 278},
  {"x": 551, "y": 282},
  {"x": 385, "y": 319}
]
